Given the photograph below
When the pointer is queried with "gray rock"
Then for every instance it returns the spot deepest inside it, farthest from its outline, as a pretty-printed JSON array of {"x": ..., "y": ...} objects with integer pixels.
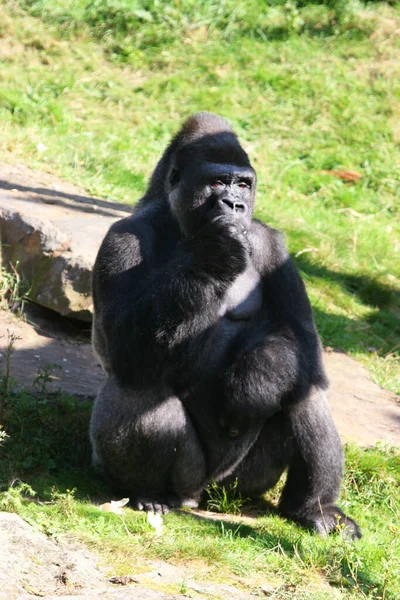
[
  {"x": 51, "y": 231},
  {"x": 32, "y": 565}
]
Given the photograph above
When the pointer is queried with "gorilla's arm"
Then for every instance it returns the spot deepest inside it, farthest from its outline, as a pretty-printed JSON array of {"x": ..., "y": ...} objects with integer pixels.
[
  {"x": 282, "y": 357},
  {"x": 149, "y": 308}
]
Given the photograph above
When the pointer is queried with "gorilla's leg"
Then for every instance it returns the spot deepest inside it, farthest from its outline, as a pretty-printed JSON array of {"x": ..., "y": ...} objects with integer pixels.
[
  {"x": 147, "y": 445},
  {"x": 303, "y": 438},
  {"x": 315, "y": 468}
]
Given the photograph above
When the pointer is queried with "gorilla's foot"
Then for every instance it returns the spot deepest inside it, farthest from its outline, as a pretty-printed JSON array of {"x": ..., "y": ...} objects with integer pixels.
[
  {"x": 330, "y": 519},
  {"x": 163, "y": 505},
  {"x": 152, "y": 505}
]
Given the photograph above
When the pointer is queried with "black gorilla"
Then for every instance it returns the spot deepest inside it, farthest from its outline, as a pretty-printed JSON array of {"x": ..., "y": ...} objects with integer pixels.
[{"x": 205, "y": 331}]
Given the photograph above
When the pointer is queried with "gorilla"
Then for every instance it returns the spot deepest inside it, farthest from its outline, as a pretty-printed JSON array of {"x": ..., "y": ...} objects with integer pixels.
[{"x": 205, "y": 332}]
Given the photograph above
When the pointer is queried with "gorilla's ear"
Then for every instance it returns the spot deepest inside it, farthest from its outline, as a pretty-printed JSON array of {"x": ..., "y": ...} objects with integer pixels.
[{"x": 174, "y": 178}]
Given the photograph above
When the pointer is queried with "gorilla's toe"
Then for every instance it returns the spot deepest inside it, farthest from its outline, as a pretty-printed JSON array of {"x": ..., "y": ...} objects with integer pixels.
[
  {"x": 163, "y": 505},
  {"x": 151, "y": 505}
]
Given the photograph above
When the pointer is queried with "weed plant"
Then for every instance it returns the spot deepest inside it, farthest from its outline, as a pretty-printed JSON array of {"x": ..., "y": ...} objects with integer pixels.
[
  {"x": 14, "y": 289},
  {"x": 225, "y": 499}
]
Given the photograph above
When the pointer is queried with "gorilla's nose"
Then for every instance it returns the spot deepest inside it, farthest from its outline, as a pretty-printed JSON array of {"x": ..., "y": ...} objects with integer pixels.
[{"x": 227, "y": 205}]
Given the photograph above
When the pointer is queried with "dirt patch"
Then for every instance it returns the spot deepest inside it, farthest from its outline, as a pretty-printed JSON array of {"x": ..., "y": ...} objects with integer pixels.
[
  {"x": 49, "y": 345},
  {"x": 363, "y": 412}
]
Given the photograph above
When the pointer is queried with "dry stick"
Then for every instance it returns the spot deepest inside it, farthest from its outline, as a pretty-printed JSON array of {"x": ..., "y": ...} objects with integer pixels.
[
  {"x": 11, "y": 339},
  {"x": 126, "y": 528}
]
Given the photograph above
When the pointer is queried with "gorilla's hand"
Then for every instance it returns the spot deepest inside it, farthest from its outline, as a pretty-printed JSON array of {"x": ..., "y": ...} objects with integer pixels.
[
  {"x": 234, "y": 227},
  {"x": 222, "y": 247}
]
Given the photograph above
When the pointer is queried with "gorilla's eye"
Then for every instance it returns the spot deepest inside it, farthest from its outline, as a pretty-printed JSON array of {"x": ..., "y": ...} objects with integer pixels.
[
  {"x": 243, "y": 185},
  {"x": 174, "y": 178},
  {"x": 218, "y": 183}
]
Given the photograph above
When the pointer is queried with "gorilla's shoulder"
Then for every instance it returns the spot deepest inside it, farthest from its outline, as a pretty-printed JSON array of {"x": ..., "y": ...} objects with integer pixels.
[
  {"x": 128, "y": 242},
  {"x": 143, "y": 217},
  {"x": 268, "y": 245},
  {"x": 147, "y": 223},
  {"x": 266, "y": 230}
]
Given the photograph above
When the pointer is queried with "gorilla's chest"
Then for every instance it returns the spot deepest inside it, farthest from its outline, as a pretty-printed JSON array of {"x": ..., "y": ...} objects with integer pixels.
[{"x": 243, "y": 298}]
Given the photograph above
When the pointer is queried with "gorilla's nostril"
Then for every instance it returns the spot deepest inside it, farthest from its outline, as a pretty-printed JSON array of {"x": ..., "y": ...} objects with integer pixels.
[
  {"x": 240, "y": 207},
  {"x": 229, "y": 203}
]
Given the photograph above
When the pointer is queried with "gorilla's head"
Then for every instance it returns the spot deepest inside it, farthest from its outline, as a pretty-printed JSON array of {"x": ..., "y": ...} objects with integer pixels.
[{"x": 205, "y": 173}]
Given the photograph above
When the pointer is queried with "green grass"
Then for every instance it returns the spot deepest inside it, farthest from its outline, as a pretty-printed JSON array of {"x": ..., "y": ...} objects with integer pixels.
[
  {"x": 47, "y": 449},
  {"x": 225, "y": 499},
  {"x": 93, "y": 91}
]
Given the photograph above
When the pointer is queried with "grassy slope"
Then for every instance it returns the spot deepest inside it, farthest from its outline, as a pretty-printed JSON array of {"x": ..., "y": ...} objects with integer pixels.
[
  {"x": 97, "y": 105},
  {"x": 99, "y": 112}
]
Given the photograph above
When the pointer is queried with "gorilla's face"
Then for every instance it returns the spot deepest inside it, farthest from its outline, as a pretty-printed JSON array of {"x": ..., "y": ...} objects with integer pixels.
[{"x": 209, "y": 179}]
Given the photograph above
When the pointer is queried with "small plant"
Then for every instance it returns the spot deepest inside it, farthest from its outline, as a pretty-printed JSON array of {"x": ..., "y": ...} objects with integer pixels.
[
  {"x": 225, "y": 499},
  {"x": 14, "y": 289},
  {"x": 65, "y": 500},
  {"x": 45, "y": 376},
  {"x": 183, "y": 588},
  {"x": 11, "y": 500}
]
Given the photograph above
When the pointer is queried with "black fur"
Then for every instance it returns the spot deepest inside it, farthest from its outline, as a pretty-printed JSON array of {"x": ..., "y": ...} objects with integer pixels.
[{"x": 205, "y": 331}]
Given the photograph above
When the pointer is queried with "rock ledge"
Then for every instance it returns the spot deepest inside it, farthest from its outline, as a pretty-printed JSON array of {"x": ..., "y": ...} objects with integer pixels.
[{"x": 52, "y": 231}]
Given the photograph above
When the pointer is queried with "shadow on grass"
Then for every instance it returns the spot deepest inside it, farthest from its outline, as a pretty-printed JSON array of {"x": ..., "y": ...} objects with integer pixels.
[
  {"x": 48, "y": 445},
  {"x": 379, "y": 330},
  {"x": 369, "y": 290},
  {"x": 237, "y": 529}
]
